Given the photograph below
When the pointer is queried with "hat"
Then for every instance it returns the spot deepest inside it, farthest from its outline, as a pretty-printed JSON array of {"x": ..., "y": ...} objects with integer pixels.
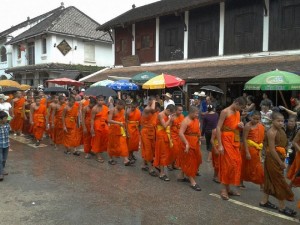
[
  {"x": 202, "y": 94},
  {"x": 168, "y": 95},
  {"x": 5, "y": 97},
  {"x": 82, "y": 89},
  {"x": 196, "y": 93}
]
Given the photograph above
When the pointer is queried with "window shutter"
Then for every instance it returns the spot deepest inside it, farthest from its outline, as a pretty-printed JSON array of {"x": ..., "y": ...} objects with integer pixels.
[
  {"x": 151, "y": 40},
  {"x": 138, "y": 42}
]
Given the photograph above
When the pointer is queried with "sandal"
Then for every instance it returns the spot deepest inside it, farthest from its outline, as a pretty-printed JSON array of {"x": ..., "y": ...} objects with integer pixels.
[
  {"x": 216, "y": 180},
  {"x": 67, "y": 152},
  {"x": 224, "y": 195},
  {"x": 170, "y": 168},
  {"x": 146, "y": 168},
  {"x": 183, "y": 179},
  {"x": 243, "y": 187},
  {"x": 196, "y": 187},
  {"x": 287, "y": 211},
  {"x": 153, "y": 173},
  {"x": 101, "y": 160},
  {"x": 129, "y": 163},
  {"x": 268, "y": 205},
  {"x": 76, "y": 153},
  {"x": 233, "y": 193},
  {"x": 164, "y": 178},
  {"x": 112, "y": 162}
]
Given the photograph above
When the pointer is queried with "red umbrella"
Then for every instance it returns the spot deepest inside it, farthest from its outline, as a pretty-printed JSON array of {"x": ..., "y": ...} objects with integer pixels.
[
  {"x": 65, "y": 81},
  {"x": 163, "y": 81}
]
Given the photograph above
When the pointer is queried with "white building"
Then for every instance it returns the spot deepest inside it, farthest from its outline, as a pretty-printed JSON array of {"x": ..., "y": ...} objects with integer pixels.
[{"x": 61, "y": 43}]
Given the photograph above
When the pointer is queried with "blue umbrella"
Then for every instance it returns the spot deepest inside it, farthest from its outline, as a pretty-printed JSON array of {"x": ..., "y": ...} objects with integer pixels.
[{"x": 123, "y": 85}]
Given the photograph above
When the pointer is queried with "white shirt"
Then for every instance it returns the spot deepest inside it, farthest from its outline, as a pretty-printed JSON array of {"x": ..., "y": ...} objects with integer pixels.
[
  {"x": 5, "y": 106},
  {"x": 170, "y": 102}
]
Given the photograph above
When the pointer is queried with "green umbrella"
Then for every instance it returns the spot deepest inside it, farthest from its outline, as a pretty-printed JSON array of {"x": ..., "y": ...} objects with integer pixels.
[
  {"x": 274, "y": 81},
  {"x": 143, "y": 77}
]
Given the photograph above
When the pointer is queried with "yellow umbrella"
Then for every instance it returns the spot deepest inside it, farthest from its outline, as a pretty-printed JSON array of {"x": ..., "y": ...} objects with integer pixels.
[
  {"x": 9, "y": 83},
  {"x": 24, "y": 87}
]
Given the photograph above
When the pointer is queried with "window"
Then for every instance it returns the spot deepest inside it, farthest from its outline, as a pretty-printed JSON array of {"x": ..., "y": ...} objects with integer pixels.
[
  {"x": 44, "y": 46},
  {"x": 290, "y": 17},
  {"x": 146, "y": 41},
  {"x": 3, "y": 56},
  {"x": 89, "y": 52},
  {"x": 31, "y": 54},
  {"x": 19, "y": 51}
]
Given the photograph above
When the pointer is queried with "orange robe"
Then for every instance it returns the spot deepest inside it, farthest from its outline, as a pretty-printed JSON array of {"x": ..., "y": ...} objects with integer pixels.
[
  {"x": 295, "y": 168},
  {"x": 230, "y": 161},
  {"x": 252, "y": 170},
  {"x": 43, "y": 101},
  {"x": 85, "y": 103},
  {"x": 189, "y": 162},
  {"x": 99, "y": 141},
  {"x": 26, "y": 125},
  {"x": 18, "y": 120},
  {"x": 133, "y": 130},
  {"x": 148, "y": 136},
  {"x": 117, "y": 145},
  {"x": 39, "y": 122},
  {"x": 79, "y": 131},
  {"x": 58, "y": 126},
  {"x": 162, "y": 144},
  {"x": 70, "y": 137},
  {"x": 87, "y": 137},
  {"x": 50, "y": 129},
  {"x": 175, "y": 137},
  {"x": 215, "y": 157}
]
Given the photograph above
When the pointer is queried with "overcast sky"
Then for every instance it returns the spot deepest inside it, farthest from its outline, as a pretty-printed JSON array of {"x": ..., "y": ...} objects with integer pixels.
[{"x": 16, "y": 11}]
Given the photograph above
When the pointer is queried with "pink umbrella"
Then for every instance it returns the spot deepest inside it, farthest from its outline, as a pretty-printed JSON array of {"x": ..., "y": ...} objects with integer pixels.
[{"x": 65, "y": 81}]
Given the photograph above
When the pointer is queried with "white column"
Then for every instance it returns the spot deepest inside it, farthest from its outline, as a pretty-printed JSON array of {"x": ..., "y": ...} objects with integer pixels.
[
  {"x": 222, "y": 30},
  {"x": 133, "y": 39},
  {"x": 157, "y": 40},
  {"x": 266, "y": 27},
  {"x": 113, "y": 47},
  {"x": 186, "y": 36}
]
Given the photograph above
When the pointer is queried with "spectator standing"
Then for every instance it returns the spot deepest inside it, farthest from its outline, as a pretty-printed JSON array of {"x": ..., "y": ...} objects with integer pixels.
[
  {"x": 4, "y": 142},
  {"x": 210, "y": 121},
  {"x": 168, "y": 100},
  {"x": 5, "y": 106}
]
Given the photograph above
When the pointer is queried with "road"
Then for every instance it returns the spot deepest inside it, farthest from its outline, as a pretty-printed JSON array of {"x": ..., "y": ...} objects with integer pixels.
[{"x": 47, "y": 187}]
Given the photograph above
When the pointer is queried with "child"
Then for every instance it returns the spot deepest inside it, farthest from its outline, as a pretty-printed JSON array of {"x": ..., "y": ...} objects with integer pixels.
[
  {"x": 4, "y": 142},
  {"x": 274, "y": 181},
  {"x": 253, "y": 137},
  {"x": 266, "y": 114}
]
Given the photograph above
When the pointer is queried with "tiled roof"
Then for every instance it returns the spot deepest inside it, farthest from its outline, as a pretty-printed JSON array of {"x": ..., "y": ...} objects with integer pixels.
[
  {"x": 30, "y": 21},
  {"x": 217, "y": 69},
  {"x": 53, "y": 67},
  {"x": 70, "y": 22},
  {"x": 159, "y": 8}
]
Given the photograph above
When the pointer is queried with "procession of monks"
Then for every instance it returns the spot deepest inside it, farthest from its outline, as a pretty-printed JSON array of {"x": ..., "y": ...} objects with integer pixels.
[{"x": 167, "y": 140}]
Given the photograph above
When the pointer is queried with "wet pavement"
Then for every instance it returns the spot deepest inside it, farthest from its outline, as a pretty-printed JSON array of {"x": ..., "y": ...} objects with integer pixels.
[{"x": 45, "y": 186}]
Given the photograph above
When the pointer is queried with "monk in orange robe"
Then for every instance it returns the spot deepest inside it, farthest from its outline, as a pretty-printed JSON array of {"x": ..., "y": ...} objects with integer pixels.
[
  {"x": 43, "y": 98},
  {"x": 148, "y": 123},
  {"x": 26, "y": 112},
  {"x": 17, "y": 113},
  {"x": 38, "y": 114},
  {"x": 79, "y": 132},
  {"x": 274, "y": 181},
  {"x": 57, "y": 125},
  {"x": 133, "y": 119},
  {"x": 190, "y": 158},
  {"x": 163, "y": 142},
  {"x": 175, "y": 127},
  {"x": 69, "y": 121},
  {"x": 253, "y": 137},
  {"x": 117, "y": 135},
  {"x": 86, "y": 126},
  {"x": 85, "y": 101},
  {"x": 99, "y": 128},
  {"x": 228, "y": 134},
  {"x": 215, "y": 155},
  {"x": 294, "y": 172},
  {"x": 51, "y": 106}
]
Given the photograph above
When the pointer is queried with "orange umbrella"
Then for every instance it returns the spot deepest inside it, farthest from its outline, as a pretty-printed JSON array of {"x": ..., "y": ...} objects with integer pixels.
[
  {"x": 9, "y": 83},
  {"x": 24, "y": 87}
]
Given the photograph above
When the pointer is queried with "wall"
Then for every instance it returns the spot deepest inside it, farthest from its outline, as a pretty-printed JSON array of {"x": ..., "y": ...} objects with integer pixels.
[{"x": 122, "y": 35}]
